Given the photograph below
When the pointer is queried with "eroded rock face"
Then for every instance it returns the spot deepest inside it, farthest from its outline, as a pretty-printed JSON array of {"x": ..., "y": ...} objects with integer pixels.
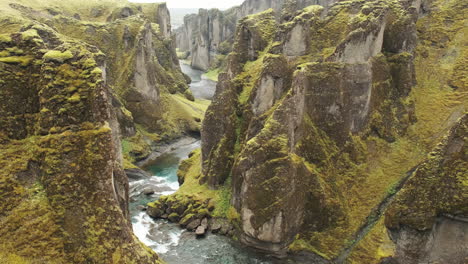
[
  {"x": 210, "y": 32},
  {"x": 82, "y": 87},
  {"x": 445, "y": 242},
  {"x": 141, "y": 64},
  {"x": 292, "y": 118},
  {"x": 296, "y": 43},
  {"x": 428, "y": 220},
  {"x": 65, "y": 200}
]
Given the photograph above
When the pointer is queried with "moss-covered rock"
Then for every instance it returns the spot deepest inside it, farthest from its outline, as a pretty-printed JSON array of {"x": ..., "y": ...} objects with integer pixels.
[
  {"x": 140, "y": 59},
  {"x": 64, "y": 193},
  {"x": 438, "y": 186},
  {"x": 330, "y": 115}
]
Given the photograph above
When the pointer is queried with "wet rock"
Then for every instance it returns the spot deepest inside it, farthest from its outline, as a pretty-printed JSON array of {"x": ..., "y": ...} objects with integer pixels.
[
  {"x": 174, "y": 217},
  {"x": 164, "y": 216},
  {"x": 203, "y": 213},
  {"x": 179, "y": 208},
  {"x": 186, "y": 220},
  {"x": 204, "y": 223},
  {"x": 137, "y": 174},
  {"x": 215, "y": 226},
  {"x": 225, "y": 228},
  {"x": 148, "y": 191},
  {"x": 193, "y": 224},
  {"x": 142, "y": 208},
  {"x": 201, "y": 230},
  {"x": 155, "y": 212}
]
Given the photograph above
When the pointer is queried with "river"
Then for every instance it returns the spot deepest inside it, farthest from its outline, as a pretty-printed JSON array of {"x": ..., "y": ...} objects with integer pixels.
[
  {"x": 202, "y": 88},
  {"x": 174, "y": 245}
]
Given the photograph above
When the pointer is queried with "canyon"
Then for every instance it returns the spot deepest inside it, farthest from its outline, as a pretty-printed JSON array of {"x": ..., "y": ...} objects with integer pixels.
[{"x": 336, "y": 132}]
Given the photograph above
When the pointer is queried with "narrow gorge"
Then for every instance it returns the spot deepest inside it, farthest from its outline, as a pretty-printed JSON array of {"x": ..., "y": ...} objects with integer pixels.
[{"x": 272, "y": 131}]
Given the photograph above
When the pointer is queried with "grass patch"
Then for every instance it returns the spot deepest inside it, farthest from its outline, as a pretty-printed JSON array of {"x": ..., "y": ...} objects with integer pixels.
[{"x": 212, "y": 74}]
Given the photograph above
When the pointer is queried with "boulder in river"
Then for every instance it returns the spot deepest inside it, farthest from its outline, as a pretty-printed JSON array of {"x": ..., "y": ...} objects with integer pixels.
[
  {"x": 204, "y": 223},
  {"x": 155, "y": 212},
  {"x": 201, "y": 230},
  {"x": 148, "y": 191},
  {"x": 215, "y": 226},
  {"x": 174, "y": 217},
  {"x": 186, "y": 220},
  {"x": 141, "y": 207},
  {"x": 225, "y": 228},
  {"x": 137, "y": 174},
  {"x": 193, "y": 225}
]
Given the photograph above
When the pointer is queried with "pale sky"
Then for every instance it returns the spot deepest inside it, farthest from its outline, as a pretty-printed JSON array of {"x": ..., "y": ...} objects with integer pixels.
[{"x": 221, "y": 4}]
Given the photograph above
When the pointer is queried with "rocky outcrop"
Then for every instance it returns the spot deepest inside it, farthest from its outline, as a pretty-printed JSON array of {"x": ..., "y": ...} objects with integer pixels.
[
  {"x": 301, "y": 119},
  {"x": 85, "y": 89},
  {"x": 150, "y": 93},
  {"x": 64, "y": 192},
  {"x": 141, "y": 64},
  {"x": 211, "y": 32},
  {"x": 429, "y": 218}
]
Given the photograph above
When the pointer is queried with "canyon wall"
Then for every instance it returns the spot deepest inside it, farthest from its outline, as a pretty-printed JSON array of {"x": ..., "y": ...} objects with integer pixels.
[
  {"x": 211, "y": 32},
  {"x": 77, "y": 79},
  {"x": 321, "y": 117}
]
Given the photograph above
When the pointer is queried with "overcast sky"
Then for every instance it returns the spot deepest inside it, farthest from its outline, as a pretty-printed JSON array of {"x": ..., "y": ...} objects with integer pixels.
[{"x": 221, "y": 4}]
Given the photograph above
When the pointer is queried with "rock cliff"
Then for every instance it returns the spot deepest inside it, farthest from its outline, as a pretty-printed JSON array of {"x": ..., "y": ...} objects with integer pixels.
[
  {"x": 427, "y": 220},
  {"x": 209, "y": 35},
  {"x": 320, "y": 118},
  {"x": 77, "y": 79},
  {"x": 64, "y": 192}
]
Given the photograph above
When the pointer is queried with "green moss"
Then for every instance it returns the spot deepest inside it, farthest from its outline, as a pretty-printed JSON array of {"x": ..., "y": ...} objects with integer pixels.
[
  {"x": 223, "y": 202},
  {"x": 233, "y": 215},
  {"x": 180, "y": 115},
  {"x": 174, "y": 217},
  {"x": 5, "y": 38},
  {"x": 212, "y": 74},
  {"x": 375, "y": 246},
  {"x": 264, "y": 23},
  {"x": 136, "y": 148},
  {"x": 249, "y": 77},
  {"x": 183, "y": 55},
  {"x": 186, "y": 220},
  {"x": 300, "y": 244},
  {"x": 15, "y": 51},
  {"x": 89, "y": 63},
  {"x": 97, "y": 71},
  {"x": 29, "y": 34},
  {"x": 58, "y": 56},
  {"x": 204, "y": 201},
  {"x": 22, "y": 60},
  {"x": 75, "y": 98},
  {"x": 48, "y": 205},
  {"x": 438, "y": 186}
]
